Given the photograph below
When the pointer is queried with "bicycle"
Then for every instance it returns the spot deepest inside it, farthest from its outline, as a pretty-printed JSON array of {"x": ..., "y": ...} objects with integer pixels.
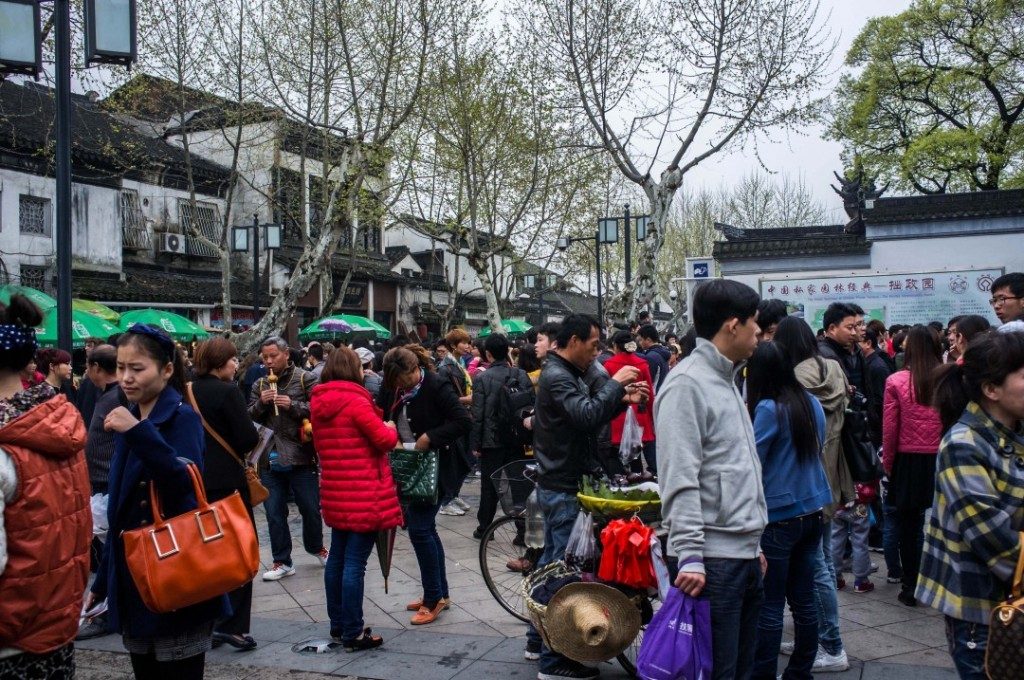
[{"x": 504, "y": 540}]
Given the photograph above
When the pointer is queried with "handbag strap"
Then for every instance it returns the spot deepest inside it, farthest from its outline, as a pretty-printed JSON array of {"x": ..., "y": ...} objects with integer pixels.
[
  {"x": 197, "y": 486},
  {"x": 1018, "y": 575},
  {"x": 206, "y": 426}
]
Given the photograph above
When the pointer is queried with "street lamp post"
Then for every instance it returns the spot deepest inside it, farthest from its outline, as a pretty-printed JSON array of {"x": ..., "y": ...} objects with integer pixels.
[
  {"x": 110, "y": 39},
  {"x": 641, "y": 235},
  {"x": 607, "y": 232},
  {"x": 530, "y": 281},
  {"x": 240, "y": 244}
]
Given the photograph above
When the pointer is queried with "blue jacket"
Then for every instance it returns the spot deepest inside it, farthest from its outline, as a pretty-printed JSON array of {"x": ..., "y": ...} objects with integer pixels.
[
  {"x": 151, "y": 451},
  {"x": 791, "y": 488}
]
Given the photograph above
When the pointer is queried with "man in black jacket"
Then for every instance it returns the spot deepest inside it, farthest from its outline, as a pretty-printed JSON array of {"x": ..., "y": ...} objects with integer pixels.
[
  {"x": 842, "y": 332},
  {"x": 877, "y": 372},
  {"x": 489, "y": 436},
  {"x": 566, "y": 420}
]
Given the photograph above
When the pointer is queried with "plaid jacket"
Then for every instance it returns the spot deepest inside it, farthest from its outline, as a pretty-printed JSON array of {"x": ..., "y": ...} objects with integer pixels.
[{"x": 973, "y": 540}]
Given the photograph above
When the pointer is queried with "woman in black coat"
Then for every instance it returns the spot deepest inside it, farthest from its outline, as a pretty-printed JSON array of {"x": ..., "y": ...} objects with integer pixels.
[
  {"x": 221, "y": 405},
  {"x": 428, "y": 416}
]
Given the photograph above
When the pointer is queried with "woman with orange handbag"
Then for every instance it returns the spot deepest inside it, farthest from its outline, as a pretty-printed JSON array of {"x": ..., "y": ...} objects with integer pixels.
[
  {"x": 156, "y": 432},
  {"x": 230, "y": 435}
]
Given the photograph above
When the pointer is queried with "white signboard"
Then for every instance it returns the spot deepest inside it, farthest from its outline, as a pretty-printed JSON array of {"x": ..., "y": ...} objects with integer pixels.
[
  {"x": 917, "y": 297},
  {"x": 699, "y": 268}
]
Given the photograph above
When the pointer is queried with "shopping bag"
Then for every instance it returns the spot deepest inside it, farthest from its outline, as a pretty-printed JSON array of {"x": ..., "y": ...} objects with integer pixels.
[
  {"x": 677, "y": 642},
  {"x": 632, "y": 443}
]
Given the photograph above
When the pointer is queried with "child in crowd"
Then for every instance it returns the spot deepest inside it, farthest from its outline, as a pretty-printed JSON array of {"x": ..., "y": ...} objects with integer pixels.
[{"x": 853, "y": 522}]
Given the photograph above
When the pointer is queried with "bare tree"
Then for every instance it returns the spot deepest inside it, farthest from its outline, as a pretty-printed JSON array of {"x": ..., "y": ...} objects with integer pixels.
[{"x": 686, "y": 78}]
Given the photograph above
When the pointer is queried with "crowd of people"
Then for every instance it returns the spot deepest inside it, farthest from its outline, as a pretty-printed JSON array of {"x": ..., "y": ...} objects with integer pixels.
[{"x": 748, "y": 419}]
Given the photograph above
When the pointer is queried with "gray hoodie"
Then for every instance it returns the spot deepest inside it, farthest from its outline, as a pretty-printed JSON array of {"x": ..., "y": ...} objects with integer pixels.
[{"x": 710, "y": 476}]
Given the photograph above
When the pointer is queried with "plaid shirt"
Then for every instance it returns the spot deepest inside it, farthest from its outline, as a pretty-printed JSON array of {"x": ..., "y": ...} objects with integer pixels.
[{"x": 973, "y": 541}]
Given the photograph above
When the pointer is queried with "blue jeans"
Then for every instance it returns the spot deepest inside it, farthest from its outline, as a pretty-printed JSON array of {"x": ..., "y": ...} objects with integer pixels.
[
  {"x": 736, "y": 592},
  {"x": 791, "y": 548},
  {"x": 825, "y": 594},
  {"x": 420, "y": 522},
  {"x": 890, "y": 540},
  {"x": 970, "y": 663},
  {"x": 560, "y": 510},
  {"x": 305, "y": 486},
  {"x": 343, "y": 580}
]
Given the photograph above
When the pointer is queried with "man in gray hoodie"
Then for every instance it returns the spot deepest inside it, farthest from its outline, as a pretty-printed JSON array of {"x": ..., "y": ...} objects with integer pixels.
[{"x": 710, "y": 475}]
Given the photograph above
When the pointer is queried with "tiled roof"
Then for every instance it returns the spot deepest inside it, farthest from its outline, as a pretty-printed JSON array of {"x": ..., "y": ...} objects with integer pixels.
[
  {"x": 809, "y": 241},
  {"x": 152, "y": 285},
  {"x": 971, "y": 205},
  {"x": 104, "y": 145}
]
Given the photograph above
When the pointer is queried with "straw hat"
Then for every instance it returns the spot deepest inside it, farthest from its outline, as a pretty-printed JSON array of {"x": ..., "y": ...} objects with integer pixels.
[{"x": 591, "y": 622}]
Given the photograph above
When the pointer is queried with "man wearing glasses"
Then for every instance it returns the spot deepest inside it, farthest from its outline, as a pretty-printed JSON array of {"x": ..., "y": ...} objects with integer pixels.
[{"x": 1008, "y": 297}]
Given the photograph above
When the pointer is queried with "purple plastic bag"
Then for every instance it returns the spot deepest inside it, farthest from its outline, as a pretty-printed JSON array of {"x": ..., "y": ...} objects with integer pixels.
[{"x": 677, "y": 642}]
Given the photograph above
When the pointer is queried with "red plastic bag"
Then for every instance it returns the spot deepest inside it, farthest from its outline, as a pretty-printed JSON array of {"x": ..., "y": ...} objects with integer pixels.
[{"x": 626, "y": 554}]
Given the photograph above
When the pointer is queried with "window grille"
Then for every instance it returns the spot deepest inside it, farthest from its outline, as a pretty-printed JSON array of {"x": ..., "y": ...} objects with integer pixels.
[
  {"x": 34, "y": 277},
  {"x": 205, "y": 217},
  {"x": 34, "y": 215},
  {"x": 134, "y": 234}
]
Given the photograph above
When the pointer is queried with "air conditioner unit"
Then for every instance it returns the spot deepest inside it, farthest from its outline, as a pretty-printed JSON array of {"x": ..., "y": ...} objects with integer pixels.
[{"x": 172, "y": 243}]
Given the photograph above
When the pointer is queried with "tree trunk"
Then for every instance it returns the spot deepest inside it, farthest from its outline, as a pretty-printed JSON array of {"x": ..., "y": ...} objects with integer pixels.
[
  {"x": 479, "y": 264},
  {"x": 659, "y": 195}
]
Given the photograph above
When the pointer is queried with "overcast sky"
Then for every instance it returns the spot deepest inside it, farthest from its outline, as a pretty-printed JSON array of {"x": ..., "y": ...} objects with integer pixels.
[{"x": 808, "y": 155}]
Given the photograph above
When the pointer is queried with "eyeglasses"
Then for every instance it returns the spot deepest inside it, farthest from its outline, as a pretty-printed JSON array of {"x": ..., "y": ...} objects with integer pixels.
[{"x": 996, "y": 301}]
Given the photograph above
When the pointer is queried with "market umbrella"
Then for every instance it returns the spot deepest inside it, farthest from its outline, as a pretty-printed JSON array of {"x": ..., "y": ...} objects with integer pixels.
[
  {"x": 41, "y": 299},
  {"x": 385, "y": 543},
  {"x": 96, "y": 309},
  {"x": 358, "y": 326},
  {"x": 511, "y": 326},
  {"x": 83, "y": 327},
  {"x": 175, "y": 325}
]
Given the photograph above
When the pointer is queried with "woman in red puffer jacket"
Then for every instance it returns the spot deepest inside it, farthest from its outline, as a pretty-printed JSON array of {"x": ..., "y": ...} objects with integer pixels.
[
  {"x": 357, "y": 493},
  {"x": 625, "y": 348},
  {"x": 911, "y": 430}
]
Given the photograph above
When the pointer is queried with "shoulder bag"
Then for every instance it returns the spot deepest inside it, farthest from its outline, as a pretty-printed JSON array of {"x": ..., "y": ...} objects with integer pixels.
[
  {"x": 195, "y": 556},
  {"x": 415, "y": 474},
  {"x": 257, "y": 492},
  {"x": 1004, "y": 655}
]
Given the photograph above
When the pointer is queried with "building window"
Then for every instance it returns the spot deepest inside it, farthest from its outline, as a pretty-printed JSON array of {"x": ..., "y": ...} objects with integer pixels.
[
  {"x": 205, "y": 218},
  {"x": 134, "y": 234},
  {"x": 34, "y": 215},
  {"x": 33, "y": 277}
]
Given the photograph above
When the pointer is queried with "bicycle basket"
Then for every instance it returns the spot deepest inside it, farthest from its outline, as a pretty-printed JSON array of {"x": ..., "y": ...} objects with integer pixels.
[{"x": 514, "y": 484}]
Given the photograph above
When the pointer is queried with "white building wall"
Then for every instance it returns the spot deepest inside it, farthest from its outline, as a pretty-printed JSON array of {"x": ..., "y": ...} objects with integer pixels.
[{"x": 982, "y": 251}]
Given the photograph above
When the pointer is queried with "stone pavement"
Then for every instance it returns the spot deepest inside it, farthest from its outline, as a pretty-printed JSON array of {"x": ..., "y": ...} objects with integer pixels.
[{"x": 476, "y": 638}]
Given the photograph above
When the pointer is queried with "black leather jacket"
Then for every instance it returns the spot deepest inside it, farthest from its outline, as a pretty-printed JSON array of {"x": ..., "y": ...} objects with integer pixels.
[
  {"x": 487, "y": 400},
  {"x": 567, "y": 421}
]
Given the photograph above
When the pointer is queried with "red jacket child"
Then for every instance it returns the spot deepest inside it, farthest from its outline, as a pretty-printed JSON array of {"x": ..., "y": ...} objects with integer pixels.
[
  {"x": 646, "y": 419},
  {"x": 357, "y": 492}
]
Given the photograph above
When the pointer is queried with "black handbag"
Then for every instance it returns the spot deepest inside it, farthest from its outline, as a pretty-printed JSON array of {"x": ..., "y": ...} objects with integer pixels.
[
  {"x": 415, "y": 475},
  {"x": 858, "y": 451},
  {"x": 1004, "y": 655}
]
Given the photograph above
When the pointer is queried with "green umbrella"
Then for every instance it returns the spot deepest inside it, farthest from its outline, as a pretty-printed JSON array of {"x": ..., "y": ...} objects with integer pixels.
[
  {"x": 83, "y": 327},
  {"x": 360, "y": 325},
  {"x": 41, "y": 299},
  {"x": 96, "y": 309},
  {"x": 176, "y": 326},
  {"x": 511, "y": 326}
]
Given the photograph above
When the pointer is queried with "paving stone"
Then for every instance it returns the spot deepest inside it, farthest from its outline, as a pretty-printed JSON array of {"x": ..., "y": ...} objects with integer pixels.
[
  {"x": 886, "y": 671},
  {"x": 489, "y": 670},
  {"x": 271, "y": 603},
  {"x": 936, "y": 657},
  {"x": 870, "y": 644},
  {"x": 925, "y": 631},
  {"x": 443, "y": 644},
  {"x": 280, "y": 655},
  {"x": 874, "y": 614},
  {"x": 509, "y": 650},
  {"x": 387, "y": 664}
]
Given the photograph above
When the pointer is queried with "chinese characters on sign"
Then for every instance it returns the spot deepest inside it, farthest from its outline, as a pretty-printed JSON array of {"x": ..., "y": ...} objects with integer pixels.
[{"x": 893, "y": 298}]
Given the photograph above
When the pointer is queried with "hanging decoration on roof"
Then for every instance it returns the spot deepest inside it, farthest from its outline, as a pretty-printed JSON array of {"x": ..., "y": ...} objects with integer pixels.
[{"x": 858, "y": 195}]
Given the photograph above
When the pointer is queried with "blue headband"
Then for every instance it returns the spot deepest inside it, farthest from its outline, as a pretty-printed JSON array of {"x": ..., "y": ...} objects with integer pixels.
[
  {"x": 162, "y": 339},
  {"x": 17, "y": 337}
]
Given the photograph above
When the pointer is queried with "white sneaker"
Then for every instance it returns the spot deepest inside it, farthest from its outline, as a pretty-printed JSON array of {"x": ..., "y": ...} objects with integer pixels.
[
  {"x": 452, "y": 510},
  {"x": 787, "y": 648},
  {"x": 830, "y": 663},
  {"x": 461, "y": 503},
  {"x": 278, "y": 572}
]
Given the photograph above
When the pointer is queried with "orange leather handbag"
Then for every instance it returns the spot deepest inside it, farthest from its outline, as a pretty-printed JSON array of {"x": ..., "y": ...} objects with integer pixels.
[{"x": 195, "y": 556}]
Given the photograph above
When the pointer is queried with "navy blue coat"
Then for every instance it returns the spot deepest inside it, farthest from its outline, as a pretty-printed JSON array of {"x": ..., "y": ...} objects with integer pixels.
[{"x": 151, "y": 451}]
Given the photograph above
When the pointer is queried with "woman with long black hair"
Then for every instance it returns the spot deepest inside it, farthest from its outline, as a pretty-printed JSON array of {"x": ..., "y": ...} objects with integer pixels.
[
  {"x": 973, "y": 537},
  {"x": 428, "y": 415},
  {"x": 910, "y": 441},
  {"x": 154, "y": 433},
  {"x": 789, "y": 426}
]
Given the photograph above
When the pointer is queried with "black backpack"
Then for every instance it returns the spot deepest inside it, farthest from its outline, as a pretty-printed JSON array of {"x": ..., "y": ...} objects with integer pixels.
[
  {"x": 515, "y": 402},
  {"x": 860, "y": 454}
]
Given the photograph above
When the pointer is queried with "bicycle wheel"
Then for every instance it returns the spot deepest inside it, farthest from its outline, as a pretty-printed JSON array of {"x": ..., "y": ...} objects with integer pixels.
[
  {"x": 497, "y": 548},
  {"x": 627, "y": 659}
]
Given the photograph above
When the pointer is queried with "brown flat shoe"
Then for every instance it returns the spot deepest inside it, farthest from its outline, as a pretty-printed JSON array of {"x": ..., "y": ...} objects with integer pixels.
[
  {"x": 519, "y": 564},
  {"x": 425, "y": 615},
  {"x": 418, "y": 604}
]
